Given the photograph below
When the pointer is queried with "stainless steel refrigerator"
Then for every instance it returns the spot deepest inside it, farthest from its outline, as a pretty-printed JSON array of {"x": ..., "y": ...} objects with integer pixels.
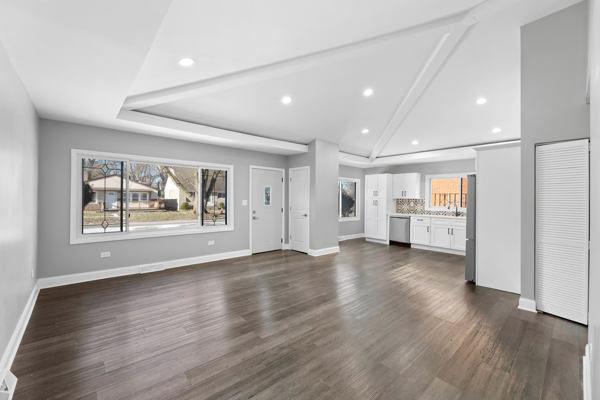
[{"x": 470, "y": 267}]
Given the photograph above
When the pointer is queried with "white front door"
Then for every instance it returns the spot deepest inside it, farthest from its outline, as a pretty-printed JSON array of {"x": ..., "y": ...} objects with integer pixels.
[
  {"x": 299, "y": 205},
  {"x": 267, "y": 209}
]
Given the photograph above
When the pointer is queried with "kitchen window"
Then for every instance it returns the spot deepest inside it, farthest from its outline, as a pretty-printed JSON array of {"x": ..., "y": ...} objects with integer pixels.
[
  {"x": 348, "y": 199},
  {"x": 447, "y": 191},
  {"x": 116, "y": 197}
]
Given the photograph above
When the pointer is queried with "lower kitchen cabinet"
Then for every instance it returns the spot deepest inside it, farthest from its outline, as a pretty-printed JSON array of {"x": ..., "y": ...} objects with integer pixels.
[
  {"x": 419, "y": 230},
  {"x": 441, "y": 233}
]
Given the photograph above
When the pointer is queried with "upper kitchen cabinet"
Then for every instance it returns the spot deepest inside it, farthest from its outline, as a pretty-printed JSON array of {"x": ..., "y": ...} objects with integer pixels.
[{"x": 406, "y": 186}]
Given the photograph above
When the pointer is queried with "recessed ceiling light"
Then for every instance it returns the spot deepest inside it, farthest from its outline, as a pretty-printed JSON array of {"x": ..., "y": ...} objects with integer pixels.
[
  {"x": 368, "y": 92},
  {"x": 286, "y": 100},
  {"x": 414, "y": 142},
  {"x": 365, "y": 131},
  {"x": 481, "y": 101},
  {"x": 186, "y": 62},
  {"x": 496, "y": 130}
]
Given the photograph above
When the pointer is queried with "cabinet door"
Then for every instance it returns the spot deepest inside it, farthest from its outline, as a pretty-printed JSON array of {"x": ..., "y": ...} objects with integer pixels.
[
  {"x": 371, "y": 185},
  {"x": 440, "y": 235},
  {"x": 419, "y": 234},
  {"x": 398, "y": 186},
  {"x": 412, "y": 186},
  {"x": 371, "y": 209},
  {"x": 459, "y": 237}
]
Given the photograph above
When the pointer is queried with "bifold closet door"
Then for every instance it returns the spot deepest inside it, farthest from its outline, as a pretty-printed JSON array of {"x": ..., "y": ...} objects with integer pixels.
[{"x": 562, "y": 229}]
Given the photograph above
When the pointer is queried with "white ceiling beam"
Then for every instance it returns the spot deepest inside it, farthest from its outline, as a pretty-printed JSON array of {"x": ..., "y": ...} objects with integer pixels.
[
  {"x": 276, "y": 69},
  {"x": 172, "y": 128},
  {"x": 442, "y": 52}
]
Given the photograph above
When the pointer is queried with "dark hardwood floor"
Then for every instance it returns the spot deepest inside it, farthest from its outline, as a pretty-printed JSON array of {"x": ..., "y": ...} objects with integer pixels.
[{"x": 372, "y": 322}]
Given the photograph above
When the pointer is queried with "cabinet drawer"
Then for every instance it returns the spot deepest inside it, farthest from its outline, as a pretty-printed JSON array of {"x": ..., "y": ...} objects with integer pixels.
[{"x": 420, "y": 220}]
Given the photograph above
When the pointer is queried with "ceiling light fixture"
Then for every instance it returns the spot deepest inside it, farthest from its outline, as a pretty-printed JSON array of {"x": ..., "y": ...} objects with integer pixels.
[
  {"x": 496, "y": 130},
  {"x": 414, "y": 142},
  {"x": 368, "y": 92},
  {"x": 481, "y": 101},
  {"x": 186, "y": 62},
  {"x": 286, "y": 100},
  {"x": 365, "y": 131}
]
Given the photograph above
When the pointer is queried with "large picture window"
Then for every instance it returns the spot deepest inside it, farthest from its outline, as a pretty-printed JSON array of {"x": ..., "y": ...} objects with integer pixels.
[
  {"x": 128, "y": 197},
  {"x": 348, "y": 199},
  {"x": 447, "y": 191}
]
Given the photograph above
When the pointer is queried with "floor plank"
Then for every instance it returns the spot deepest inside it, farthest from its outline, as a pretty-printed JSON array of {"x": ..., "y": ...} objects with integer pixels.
[{"x": 373, "y": 322}]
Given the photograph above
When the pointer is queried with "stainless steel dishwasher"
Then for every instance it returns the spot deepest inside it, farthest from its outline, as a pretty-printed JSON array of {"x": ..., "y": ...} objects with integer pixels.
[{"x": 400, "y": 230}]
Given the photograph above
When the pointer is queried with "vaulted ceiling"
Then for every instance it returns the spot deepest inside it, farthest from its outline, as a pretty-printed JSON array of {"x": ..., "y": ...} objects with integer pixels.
[{"x": 115, "y": 64}]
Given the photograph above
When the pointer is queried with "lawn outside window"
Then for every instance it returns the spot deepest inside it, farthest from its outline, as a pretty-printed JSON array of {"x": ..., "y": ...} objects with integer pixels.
[{"x": 121, "y": 196}]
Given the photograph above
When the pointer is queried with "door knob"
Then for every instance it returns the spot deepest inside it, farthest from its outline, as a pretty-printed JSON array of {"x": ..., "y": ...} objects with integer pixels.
[
  {"x": 254, "y": 218},
  {"x": 305, "y": 215}
]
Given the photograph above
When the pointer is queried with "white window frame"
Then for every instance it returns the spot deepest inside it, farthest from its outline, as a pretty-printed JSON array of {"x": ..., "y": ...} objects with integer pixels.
[
  {"x": 76, "y": 237},
  {"x": 428, "y": 179},
  {"x": 348, "y": 219}
]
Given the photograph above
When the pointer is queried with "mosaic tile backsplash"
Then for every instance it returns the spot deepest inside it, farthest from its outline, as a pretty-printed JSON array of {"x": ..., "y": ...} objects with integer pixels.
[{"x": 417, "y": 206}]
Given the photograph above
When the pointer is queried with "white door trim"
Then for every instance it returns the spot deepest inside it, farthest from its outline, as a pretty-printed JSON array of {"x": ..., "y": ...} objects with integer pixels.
[
  {"x": 307, "y": 167},
  {"x": 252, "y": 167}
]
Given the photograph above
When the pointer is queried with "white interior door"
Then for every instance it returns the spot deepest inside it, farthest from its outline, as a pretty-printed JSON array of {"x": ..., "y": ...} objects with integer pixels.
[
  {"x": 266, "y": 209},
  {"x": 562, "y": 229},
  {"x": 299, "y": 208}
]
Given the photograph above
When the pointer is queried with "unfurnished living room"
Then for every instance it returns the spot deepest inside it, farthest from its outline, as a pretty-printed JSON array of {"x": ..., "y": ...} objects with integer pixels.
[{"x": 385, "y": 199}]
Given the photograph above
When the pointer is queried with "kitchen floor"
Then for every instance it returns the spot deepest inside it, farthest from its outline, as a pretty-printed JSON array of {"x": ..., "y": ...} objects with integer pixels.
[{"x": 373, "y": 322}]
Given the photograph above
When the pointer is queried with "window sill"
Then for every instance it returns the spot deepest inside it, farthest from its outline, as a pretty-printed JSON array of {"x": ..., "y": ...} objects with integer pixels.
[
  {"x": 112, "y": 237},
  {"x": 349, "y": 219}
]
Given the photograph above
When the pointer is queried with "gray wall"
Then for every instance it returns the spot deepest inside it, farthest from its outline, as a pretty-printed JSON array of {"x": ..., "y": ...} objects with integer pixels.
[
  {"x": 553, "y": 90},
  {"x": 58, "y": 257},
  {"x": 594, "y": 323},
  {"x": 18, "y": 161},
  {"x": 442, "y": 167},
  {"x": 354, "y": 227}
]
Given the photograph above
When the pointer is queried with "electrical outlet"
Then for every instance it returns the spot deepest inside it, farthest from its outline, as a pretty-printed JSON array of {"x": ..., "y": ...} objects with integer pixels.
[
  {"x": 105, "y": 254},
  {"x": 32, "y": 273},
  {"x": 245, "y": 203},
  {"x": 211, "y": 242}
]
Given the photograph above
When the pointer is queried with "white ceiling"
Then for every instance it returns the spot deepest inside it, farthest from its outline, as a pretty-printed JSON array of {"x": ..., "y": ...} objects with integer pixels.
[{"x": 82, "y": 61}]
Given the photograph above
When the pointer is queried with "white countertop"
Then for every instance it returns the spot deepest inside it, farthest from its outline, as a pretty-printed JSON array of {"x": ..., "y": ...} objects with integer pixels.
[{"x": 428, "y": 216}]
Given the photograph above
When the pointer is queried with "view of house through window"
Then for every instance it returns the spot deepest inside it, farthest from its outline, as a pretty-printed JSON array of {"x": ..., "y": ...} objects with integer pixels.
[
  {"x": 448, "y": 192},
  {"x": 347, "y": 198},
  {"x": 126, "y": 195},
  {"x": 103, "y": 187},
  {"x": 161, "y": 196}
]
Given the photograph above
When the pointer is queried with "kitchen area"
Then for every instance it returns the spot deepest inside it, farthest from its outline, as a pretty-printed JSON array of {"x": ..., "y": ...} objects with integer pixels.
[{"x": 434, "y": 212}]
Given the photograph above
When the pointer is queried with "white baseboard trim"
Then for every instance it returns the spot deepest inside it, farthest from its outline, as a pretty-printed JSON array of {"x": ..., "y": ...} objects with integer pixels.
[
  {"x": 322, "y": 252},
  {"x": 62, "y": 280},
  {"x": 285, "y": 246},
  {"x": 380, "y": 241},
  {"x": 350, "y": 237},
  {"x": 527, "y": 305},
  {"x": 15, "y": 340},
  {"x": 587, "y": 373},
  {"x": 438, "y": 249}
]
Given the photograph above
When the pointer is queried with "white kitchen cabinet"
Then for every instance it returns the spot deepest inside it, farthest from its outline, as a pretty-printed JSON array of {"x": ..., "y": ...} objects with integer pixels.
[
  {"x": 419, "y": 230},
  {"x": 378, "y": 205},
  {"x": 440, "y": 232},
  {"x": 406, "y": 186},
  {"x": 459, "y": 236}
]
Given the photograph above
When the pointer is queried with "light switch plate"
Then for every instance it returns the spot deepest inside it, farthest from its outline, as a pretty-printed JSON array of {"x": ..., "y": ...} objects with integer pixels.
[
  {"x": 245, "y": 203},
  {"x": 105, "y": 254},
  {"x": 211, "y": 242}
]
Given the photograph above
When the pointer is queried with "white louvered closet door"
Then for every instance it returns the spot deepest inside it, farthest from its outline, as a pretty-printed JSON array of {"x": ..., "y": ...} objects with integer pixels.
[{"x": 562, "y": 229}]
